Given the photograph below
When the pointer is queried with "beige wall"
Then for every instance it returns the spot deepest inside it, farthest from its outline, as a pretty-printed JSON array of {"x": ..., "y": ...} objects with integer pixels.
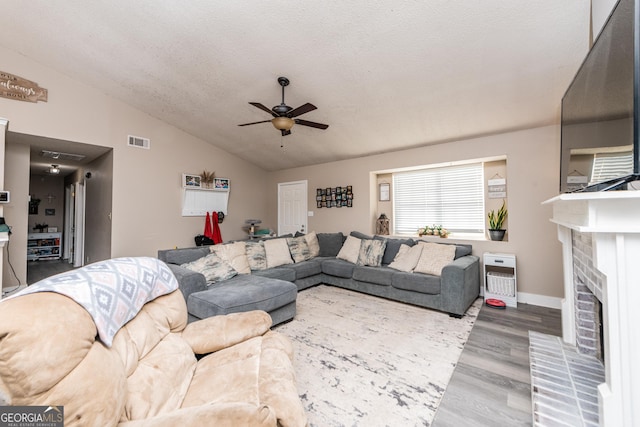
[
  {"x": 532, "y": 171},
  {"x": 147, "y": 192},
  {"x": 16, "y": 180}
]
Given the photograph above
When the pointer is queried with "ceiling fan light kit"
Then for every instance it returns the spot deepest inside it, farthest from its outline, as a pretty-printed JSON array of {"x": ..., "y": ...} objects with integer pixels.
[
  {"x": 282, "y": 123},
  {"x": 284, "y": 116}
]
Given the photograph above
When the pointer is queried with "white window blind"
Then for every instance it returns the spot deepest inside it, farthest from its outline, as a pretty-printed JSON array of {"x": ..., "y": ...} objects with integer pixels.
[
  {"x": 452, "y": 196},
  {"x": 611, "y": 165}
]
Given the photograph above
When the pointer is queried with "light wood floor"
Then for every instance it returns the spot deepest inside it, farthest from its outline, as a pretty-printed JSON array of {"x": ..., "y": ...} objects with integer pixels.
[{"x": 491, "y": 385}]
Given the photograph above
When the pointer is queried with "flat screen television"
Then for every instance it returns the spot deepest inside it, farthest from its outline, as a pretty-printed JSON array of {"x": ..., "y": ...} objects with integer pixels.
[{"x": 599, "y": 149}]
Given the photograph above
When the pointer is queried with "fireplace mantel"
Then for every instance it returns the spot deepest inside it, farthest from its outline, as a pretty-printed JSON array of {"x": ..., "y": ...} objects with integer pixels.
[{"x": 613, "y": 221}]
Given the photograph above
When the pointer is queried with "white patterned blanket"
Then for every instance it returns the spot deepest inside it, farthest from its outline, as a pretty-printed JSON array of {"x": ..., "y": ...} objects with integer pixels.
[{"x": 112, "y": 291}]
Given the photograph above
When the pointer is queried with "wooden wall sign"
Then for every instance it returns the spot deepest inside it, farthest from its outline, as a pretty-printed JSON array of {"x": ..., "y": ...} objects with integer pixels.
[{"x": 14, "y": 87}]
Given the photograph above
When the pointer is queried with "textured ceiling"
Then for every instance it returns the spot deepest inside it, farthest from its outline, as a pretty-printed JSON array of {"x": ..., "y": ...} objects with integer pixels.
[{"x": 385, "y": 75}]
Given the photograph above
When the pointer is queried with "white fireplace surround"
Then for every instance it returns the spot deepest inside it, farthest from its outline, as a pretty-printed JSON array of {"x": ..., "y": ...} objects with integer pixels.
[{"x": 613, "y": 221}]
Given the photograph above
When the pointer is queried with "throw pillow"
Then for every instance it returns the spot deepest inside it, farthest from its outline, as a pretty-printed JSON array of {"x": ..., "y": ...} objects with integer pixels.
[
  {"x": 235, "y": 254},
  {"x": 212, "y": 267},
  {"x": 277, "y": 252},
  {"x": 350, "y": 250},
  {"x": 371, "y": 252},
  {"x": 256, "y": 255},
  {"x": 330, "y": 243},
  {"x": 407, "y": 258},
  {"x": 434, "y": 257},
  {"x": 314, "y": 245},
  {"x": 392, "y": 248},
  {"x": 299, "y": 248}
]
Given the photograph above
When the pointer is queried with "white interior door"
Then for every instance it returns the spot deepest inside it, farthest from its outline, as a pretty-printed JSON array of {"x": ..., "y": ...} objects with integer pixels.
[
  {"x": 69, "y": 220},
  {"x": 78, "y": 259},
  {"x": 292, "y": 207}
]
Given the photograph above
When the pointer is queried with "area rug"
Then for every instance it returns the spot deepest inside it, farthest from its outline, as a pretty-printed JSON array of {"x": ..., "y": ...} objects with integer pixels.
[{"x": 361, "y": 360}]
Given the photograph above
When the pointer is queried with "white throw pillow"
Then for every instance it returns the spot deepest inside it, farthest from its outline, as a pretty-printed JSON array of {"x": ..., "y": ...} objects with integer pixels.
[
  {"x": 434, "y": 258},
  {"x": 314, "y": 245},
  {"x": 277, "y": 251},
  {"x": 350, "y": 250},
  {"x": 407, "y": 258},
  {"x": 235, "y": 254}
]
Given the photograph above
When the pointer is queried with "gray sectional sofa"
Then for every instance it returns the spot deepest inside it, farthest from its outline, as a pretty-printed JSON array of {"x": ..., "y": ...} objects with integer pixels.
[{"x": 275, "y": 289}]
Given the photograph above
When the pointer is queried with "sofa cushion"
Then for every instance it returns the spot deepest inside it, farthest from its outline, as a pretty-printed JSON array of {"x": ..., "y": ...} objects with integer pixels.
[
  {"x": 305, "y": 268},
  {"x": 417, "y": 282},
  {"x": 242, "y": 293},
  {"x": 375, "y": 275},
  {"x": 299, "y": 248},
  {"x": 256, "y": 255},
  {"x": 350, "y": 251},
  {"x": 277, "y": 251},
  {"x": 434, "y": 258},
  {"x": 407, "y": 258},
  {"x": 338, "y": 267},
  {"x": 183, "y": 255},
  {"x": 212, "y": 267},
  {"x": 330, "y": 243},
  {"x": 392, "y": 247},
  {"x": 282, "y": 273},
  {"x": 235, "y": 254},
  {"x": 371, "y": 252}
]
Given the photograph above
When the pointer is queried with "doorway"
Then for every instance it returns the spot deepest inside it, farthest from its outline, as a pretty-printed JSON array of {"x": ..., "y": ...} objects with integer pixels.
[
  {"x": 292, "y": 207},
  {"x": 59, "y": 172}
]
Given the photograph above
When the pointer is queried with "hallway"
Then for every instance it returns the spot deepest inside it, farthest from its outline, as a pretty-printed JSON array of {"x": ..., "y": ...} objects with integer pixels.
[{"x": 38, "y": 270}]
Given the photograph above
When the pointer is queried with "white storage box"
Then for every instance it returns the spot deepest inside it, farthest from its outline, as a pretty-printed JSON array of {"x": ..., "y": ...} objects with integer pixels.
[{"x": 501, "y": 283}]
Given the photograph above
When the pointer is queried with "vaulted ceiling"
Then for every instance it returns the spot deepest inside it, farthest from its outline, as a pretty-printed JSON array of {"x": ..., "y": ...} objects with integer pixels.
[{"x": 385, "y": 75}]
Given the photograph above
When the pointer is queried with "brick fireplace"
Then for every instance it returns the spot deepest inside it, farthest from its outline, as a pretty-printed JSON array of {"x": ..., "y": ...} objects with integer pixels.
[{"x": 599, "y": 353}]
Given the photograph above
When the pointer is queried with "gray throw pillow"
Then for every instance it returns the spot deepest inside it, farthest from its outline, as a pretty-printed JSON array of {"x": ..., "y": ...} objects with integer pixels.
[
  {"x": 392, "y": 247},
  {"x": 330, "y": 243}
]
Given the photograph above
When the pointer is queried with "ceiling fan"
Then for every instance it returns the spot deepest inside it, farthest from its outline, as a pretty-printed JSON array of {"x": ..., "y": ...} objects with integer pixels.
[{"x": 284, "y": 117}]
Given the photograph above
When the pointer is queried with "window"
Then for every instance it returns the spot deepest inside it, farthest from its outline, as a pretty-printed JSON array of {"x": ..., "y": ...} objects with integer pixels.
[
  {"x": 452, "y": 196},
  {"x": 611, "y": 165}
]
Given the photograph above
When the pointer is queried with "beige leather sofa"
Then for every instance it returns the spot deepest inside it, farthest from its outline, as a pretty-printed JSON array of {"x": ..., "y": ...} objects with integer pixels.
[{"x": 49, "y": 355}]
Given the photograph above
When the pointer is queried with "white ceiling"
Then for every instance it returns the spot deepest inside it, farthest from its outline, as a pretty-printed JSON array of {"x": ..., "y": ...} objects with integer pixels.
[{"x": 385, "y": 75}]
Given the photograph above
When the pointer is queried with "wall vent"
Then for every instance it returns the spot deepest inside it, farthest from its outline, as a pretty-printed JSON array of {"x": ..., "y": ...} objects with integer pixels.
[{"x": 136, "y": 141}]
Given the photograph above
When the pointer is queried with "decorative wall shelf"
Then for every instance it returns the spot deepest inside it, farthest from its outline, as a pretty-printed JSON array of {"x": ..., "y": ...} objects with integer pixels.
[{"x": 199, "y": 201}]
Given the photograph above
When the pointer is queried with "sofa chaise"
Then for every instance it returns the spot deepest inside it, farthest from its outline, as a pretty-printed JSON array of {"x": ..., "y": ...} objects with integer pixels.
[{"x": 273, "y": 288}]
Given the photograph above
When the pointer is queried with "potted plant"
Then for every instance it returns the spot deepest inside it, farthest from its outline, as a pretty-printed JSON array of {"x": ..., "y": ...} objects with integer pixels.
[{"x": 496, "y": 220}]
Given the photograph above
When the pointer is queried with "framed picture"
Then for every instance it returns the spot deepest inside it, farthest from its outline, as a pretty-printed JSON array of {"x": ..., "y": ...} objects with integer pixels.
[
  {"x": 50, "y": 212},
  {"x": 384, "y": 192},
  {"x": 191, "y": 180},
  {"x": 221, "y": 183}
]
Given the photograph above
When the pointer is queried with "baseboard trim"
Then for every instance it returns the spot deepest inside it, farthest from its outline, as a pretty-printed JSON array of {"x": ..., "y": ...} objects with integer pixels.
[{"x": 541, "y": 300}]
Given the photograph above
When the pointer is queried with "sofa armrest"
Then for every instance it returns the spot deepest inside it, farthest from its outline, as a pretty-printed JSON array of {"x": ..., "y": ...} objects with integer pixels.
[
  {"x": 188, "y": 281},
  {"x": 218, "y": 332},
  {"x": 460, "y": 284},
  {"x": 221, "y": 414}
]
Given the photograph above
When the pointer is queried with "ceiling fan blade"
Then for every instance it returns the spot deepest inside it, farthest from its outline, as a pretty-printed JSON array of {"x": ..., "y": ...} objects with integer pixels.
[
  {"x": 263, "y": 108},
  {"x": 254, "y": 123},
  {"x": 310, "y": 124},
  {"x": 301, "y": 110}
]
